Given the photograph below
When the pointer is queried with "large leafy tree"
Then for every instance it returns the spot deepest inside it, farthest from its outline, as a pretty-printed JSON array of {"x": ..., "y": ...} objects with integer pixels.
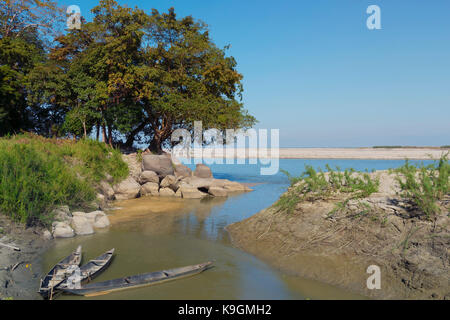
[
  {"x": 25, "y": 27},
  {"x": 141, "y": 76}
]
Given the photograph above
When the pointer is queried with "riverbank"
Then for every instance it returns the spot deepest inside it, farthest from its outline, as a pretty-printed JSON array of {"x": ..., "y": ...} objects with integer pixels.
[
  {"x": 20, "y": 271},
  {"x": 318, "y": 242},
  {"x": 425, "y": 153}
]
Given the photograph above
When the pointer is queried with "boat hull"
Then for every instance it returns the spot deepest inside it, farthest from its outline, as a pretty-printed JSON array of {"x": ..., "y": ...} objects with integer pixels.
[{"x": 139, "y": 281}]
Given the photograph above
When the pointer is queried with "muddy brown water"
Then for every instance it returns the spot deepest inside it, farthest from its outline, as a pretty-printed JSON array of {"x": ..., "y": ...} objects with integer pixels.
[{"x": 152, "y": 234}]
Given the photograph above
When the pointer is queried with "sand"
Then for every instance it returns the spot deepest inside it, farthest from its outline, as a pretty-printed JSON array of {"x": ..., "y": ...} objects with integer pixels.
[{"x": 329, "y": 153}]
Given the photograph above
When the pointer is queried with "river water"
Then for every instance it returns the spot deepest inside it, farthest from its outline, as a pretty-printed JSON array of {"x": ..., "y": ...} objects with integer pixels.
[{"x": 153, "y": 234}]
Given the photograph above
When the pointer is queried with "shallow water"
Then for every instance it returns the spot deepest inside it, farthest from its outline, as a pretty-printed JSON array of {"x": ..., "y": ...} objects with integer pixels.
[{"x": 152, "y": 234}]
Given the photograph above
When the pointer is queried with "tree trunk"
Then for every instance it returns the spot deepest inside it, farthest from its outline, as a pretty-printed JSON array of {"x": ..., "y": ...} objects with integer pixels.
[
  {"x": 130, "y": 139},
  {"x": 98, "y": 131},
  {"x": 85, "y": 130},
  {"x": 155, "y": 145},
  {"x": 110, "y": 136},
  {"x": 105, "y": 139}
]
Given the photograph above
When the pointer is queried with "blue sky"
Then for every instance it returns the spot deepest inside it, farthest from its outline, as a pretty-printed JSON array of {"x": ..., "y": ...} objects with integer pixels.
[{"x": 313, "y": 70}]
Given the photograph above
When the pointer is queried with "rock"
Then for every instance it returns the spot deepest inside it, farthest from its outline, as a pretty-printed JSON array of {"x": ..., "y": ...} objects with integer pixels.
[
  {"x": 150, "y": 189},
  {"x": 232, "y": 186},
  {"x": 47, "y": 235},
  {"x": 82, "y": 226},
  {"x": 79, "y": 214},
  {"x": 166, "y": 192},
  {"x": 181, "y": 171},
  {"x": 218, "y": 192},
  {"x": 92, "y": 215},
  {"x": 127, "y": 189},
  {"x": 106, "y": 190},
  {"x": 134, "y": 166},
  {"x": 161, "y": 164},
  {"x": 62, "y": 230},
  {"x": 148, "y": 176},
  {"x": 102, "y": 222},
  {"x": 62, "y": 214},
  {"x": 203, "y": 171},
  {"x": 170, "y": 182},
  {"x": 198, "y": 183},
  {"x": 189, "y": 192},
  {"x": 178, "y": 194},
  {"x": 98, "y": 219},
  {"x": 100, "y": 197}
]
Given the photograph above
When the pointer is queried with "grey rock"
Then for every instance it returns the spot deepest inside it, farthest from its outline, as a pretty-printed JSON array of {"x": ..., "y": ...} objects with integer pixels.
[
  {"x": 127, "y": 189},
  {"x": 62, "y": 230},
  {"x": 189, "y": 192},
  {"x": 47, "y": 235},
  {"x": 203, "y": 171},
  {"x": 170, "y": 182},
  {"x": 218, "y": 192},
  {"x": 150, "y": 189},
  {"x": 161, "y": 164},
  {"x": 81, "y": 226},
  {"x": 106, "y": 190},
  {"x": 148, "y": 176},
  {"x": 181, "y": 171},
  {"x": 166, "y": 192}
]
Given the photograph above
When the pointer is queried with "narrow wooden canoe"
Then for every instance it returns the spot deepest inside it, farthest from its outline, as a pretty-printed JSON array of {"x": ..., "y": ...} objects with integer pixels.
[
  {"x": 89, "y": 271},
  {"x": 59, "y": 273},
  {"x": 103, "y": 288}
]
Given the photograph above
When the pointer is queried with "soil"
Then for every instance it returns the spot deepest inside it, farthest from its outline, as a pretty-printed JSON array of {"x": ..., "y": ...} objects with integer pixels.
[
  {"x": 20, "y": 271},
  {"x": 411, "y": 251}
]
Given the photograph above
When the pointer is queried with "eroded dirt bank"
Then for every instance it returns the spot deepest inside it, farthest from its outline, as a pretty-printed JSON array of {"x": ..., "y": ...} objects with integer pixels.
[
  {"x": 20, "y": 271},
  {"x": 381, "y": 230}
]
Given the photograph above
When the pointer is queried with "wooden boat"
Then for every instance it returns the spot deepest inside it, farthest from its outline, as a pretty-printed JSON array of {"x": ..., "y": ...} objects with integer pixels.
[
  {"x": 102, "y": 288},
  {"x": 88, "y": 271},
  {"x": 59, "y": 273}
]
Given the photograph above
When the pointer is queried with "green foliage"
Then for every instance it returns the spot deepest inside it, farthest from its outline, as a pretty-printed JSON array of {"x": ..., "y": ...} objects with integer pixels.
[
  {"x": 424, "y": 186},
  {"x": 388, "y": 147},
  {"x": 314, "y": 185},
  {"x": 38, "y": 174}
]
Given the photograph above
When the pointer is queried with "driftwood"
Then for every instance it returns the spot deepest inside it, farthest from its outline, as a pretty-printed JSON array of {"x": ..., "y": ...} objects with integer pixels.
[{"x": 10, "y": 247}]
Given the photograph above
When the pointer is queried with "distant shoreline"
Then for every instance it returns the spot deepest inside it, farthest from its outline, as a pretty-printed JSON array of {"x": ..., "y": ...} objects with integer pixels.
[{"x": 413, "y": 153}]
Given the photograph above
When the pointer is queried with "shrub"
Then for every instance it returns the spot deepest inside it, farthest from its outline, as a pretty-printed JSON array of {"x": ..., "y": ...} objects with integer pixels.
[
  {"x": 424, "y": 186},
  {"x": 38, "y": 174},
  {"x": 314, "y": 185}
]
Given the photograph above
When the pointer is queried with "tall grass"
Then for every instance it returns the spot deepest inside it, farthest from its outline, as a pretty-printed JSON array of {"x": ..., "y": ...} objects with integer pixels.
[
  {"x": 314, "y": 185},
  {"x": 424, "y": 185},
  {"x": 38, "y": 174}
]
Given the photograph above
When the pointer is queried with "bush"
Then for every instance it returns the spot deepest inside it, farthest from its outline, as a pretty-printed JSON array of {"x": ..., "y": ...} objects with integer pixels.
[
  {"x": 38, "y": 174},
  {"x": 424, "y": 186},
  {"x": 314, "y": 185}
]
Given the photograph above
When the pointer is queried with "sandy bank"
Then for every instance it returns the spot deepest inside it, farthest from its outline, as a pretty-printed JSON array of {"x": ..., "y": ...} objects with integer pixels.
[{"x": 330, "y": 153}]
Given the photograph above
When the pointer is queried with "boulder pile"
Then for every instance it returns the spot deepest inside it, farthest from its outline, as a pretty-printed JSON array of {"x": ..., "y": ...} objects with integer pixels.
[
  {"x": 159, "y": 176},
  {"x": 69, "y": 225}
]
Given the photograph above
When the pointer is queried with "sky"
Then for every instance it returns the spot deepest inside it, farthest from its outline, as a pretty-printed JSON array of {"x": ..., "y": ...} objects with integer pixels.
[{"x": 313, "y": 70}]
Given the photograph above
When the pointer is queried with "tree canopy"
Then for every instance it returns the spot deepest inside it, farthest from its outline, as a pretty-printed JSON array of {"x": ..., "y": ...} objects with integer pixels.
[{"x": 129, "y": 75}]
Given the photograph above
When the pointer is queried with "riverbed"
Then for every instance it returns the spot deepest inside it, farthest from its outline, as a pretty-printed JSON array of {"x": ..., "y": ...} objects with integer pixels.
[{"x": 152, "y": 234}]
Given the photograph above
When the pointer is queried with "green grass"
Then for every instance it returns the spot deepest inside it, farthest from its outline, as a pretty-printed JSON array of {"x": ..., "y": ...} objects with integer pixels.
[
  {"x": 38, "y": 174},
  {"x": 314, "y": 185},
  {"x": 424, "y": 185}
]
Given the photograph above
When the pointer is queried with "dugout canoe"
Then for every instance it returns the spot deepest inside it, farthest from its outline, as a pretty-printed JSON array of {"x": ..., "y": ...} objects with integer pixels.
[
  {"x": 88, "y": 271},
  {"x": 59, "y": 273},
  {"x": 143, "y": 280}
]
